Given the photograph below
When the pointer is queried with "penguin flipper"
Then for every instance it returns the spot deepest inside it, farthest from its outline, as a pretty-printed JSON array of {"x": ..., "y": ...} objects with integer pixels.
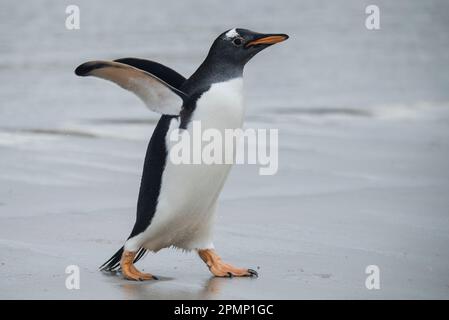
[
  {"x": 158, "y": 95},
  {"x": 164, "y": 73}
]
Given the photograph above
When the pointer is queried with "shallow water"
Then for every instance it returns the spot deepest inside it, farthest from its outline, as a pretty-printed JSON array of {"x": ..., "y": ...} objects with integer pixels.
[{"x": 330, "y": 61}]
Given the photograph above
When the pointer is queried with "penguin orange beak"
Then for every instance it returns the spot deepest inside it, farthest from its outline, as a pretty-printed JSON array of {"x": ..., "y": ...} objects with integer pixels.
[{"x": 268, "y": 39}]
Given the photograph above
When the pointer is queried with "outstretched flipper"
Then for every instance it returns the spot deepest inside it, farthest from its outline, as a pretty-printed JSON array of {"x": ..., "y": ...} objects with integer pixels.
[
  {"x": 158, "y": 95},
  {"x": 157, "y": 69}
]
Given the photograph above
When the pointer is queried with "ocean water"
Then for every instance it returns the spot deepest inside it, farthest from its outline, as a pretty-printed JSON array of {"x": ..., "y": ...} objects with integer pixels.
[{"x": 330, "y": 65}]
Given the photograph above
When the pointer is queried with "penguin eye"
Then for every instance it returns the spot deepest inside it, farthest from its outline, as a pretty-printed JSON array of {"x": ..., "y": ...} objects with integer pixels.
[{"x": 237, "y": 42}]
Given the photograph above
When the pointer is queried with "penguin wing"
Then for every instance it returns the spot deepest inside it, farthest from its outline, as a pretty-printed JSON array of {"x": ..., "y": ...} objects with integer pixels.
[
  {"x": 158, "y": 95},
  {"x": 164, "y": 73}
]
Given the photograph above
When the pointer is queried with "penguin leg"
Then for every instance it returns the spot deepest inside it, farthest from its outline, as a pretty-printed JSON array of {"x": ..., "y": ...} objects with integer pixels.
[
  {"x": 129, "y": 271},
  {"x": 221, "y": 269}
]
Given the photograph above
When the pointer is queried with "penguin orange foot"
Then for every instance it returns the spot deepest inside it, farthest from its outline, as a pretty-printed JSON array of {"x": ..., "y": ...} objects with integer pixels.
[
  {"x": 221, "y": 269},
  {"x": 129, "y": 271}
]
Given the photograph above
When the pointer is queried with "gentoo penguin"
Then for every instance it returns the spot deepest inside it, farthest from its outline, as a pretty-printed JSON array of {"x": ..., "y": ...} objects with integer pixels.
[{"x": 177, "y": 202}]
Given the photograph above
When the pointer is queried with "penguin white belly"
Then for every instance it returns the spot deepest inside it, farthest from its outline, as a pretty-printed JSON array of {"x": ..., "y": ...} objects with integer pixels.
[{"x": 188, "y": 195}]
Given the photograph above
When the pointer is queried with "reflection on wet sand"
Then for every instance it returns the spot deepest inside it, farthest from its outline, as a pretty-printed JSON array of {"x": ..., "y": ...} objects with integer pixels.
[{"x": 150, "y": 290}]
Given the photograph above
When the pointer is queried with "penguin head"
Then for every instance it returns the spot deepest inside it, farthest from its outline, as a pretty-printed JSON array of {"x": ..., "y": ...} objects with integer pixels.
[{"x": 238, "y": 46}]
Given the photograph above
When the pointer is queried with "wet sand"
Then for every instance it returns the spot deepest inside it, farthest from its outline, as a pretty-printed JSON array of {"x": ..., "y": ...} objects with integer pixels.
[
  {"x": 363, "y": 177},
  {"x": 348, "y": 194}
]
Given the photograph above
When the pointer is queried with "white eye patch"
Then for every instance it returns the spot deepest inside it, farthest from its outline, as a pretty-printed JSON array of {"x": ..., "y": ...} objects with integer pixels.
[{"x": 232, "y": 33}]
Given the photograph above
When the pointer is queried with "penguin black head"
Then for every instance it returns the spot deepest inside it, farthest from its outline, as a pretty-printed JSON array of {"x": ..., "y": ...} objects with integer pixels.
[{"x": 238, "y": 46}]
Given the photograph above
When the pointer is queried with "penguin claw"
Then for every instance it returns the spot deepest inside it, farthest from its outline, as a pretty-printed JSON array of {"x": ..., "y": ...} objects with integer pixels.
[
  {"x": 145, "y": 279},
  {"x": 253, "y": 273},
  {"x": 220, "y": 269}
]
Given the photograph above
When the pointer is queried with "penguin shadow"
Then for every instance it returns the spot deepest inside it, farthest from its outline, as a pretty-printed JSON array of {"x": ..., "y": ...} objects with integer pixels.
[{"x": 155, "y": 289}]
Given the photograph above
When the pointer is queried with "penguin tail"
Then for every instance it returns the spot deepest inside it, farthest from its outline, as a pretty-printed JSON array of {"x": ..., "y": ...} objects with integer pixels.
[{"x": 113, "y": 264}]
